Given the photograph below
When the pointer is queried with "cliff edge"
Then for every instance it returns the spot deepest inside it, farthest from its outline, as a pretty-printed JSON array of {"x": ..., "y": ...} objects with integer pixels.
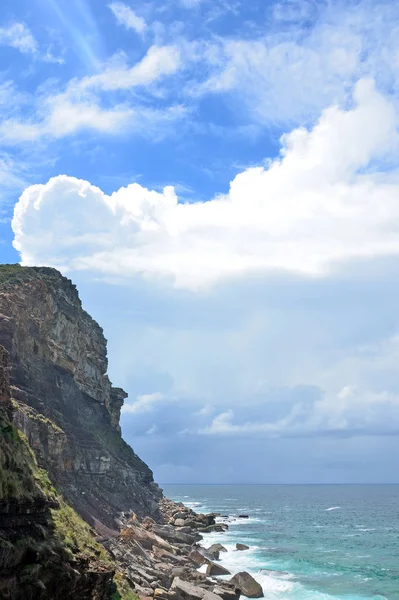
[{"x": 63, "y": 400}]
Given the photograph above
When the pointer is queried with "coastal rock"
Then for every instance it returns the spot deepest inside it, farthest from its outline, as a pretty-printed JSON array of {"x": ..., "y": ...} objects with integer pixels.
[
  {"x": 242, "y": 547},
  {"x": 211, "y": 596},
  {"x": 218, "y": 527},
  {"x": 247, "y": 584},
  {"x": 216, "y": 548},
  {"x": 173, "y": 535},
  {"x": 214, "y": 570},
  {"x": 186, "y": 591},
  {"x": 227, "y": 590},
  {"x": 197, "y": 557}
]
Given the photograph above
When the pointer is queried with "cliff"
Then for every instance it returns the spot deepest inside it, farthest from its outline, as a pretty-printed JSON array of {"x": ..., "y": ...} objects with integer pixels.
[
  {"x": 46, "y": 551},
  {"x": 64, "y": 401}
]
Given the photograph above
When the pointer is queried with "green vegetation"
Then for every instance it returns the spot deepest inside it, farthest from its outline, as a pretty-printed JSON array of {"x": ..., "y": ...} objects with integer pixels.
[
  {"x": 19, "y": 474},
  {"x": 11, "y": 275},
  {"x": 35, "y": 416},
  {"x": 123, "y": 589},
  {"x": 66, "y": 534},
  {"x": 77, "y": 535}
]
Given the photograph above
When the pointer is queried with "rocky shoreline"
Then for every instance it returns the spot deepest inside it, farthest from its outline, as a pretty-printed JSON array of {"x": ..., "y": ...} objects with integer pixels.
[{"x": 165, "y": 561}]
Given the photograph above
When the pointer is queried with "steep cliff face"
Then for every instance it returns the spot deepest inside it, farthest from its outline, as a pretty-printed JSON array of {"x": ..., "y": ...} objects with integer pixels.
[
  {"x": 65, "y": 403},
  {"x": 46, "y": 551}
]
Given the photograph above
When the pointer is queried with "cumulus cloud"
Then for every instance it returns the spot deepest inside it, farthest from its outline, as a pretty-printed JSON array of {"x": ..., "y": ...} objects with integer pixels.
[
  {"x": 328, "y": 198},
  {"x": 127, "y": 17}
]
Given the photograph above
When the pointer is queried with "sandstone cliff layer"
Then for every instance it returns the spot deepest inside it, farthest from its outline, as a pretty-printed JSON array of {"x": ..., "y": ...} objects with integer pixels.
[{"x": 65, "y": 403}]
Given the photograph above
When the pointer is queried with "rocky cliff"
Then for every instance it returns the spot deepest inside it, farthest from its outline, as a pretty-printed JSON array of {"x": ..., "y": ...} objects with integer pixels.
[
  {"x": 46, "y": 551},
  {"x": 64, "y": 401}
]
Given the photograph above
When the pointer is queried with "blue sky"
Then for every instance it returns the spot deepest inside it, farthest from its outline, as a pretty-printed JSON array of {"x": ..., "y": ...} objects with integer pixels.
[{"x": 220, "y": 178}]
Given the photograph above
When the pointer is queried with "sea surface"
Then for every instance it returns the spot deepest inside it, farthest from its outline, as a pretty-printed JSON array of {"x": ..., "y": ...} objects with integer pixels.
[{"x": 307, "y": 542}]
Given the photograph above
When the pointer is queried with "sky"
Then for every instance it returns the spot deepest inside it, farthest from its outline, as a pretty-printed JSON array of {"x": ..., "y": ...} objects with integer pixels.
[{"x": 220, "y": 178}]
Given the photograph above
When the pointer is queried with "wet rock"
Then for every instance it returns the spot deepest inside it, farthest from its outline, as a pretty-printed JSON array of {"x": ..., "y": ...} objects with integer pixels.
[
  {"x": 247, "y": 584},
  {"x": 216, "y": 548},
  {"x": 218, "y": 527},
  {"x": 242, "y": 547}
]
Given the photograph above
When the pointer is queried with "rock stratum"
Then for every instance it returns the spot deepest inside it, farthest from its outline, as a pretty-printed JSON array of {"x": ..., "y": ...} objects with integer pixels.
[
  {"x": 80, "y": 514},
  {"x": 64, "y": 401}
]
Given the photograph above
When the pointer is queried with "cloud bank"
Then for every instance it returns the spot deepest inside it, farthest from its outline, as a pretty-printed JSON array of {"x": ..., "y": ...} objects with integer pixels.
[{"x": 330, "y": 197}]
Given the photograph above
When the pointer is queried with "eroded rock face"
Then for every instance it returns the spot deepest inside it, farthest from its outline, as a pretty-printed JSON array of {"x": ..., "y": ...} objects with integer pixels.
[
  {"x": 35, "y": 561},
  {"x": 65, "y": 403}
]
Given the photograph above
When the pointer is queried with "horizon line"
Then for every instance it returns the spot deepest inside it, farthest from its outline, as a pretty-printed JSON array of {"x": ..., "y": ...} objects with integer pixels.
[{"x": 305, "y": 483}]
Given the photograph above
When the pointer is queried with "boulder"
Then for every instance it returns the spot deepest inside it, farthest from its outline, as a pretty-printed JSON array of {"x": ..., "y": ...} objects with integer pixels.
[
  {"x": 179, "y": 522},
  {"x": 174, "y": 535},
  {"x": 145, "y": 537},
  {"x": 180, "y": 515},
  {"x": 169, "y": 557},
  {"x": 227, "y": 590},
  {"x": 242, "y": 547},
  {"x": 213, "y": 570},
  {"x": 161, "y": 594},
  {"x": 214, "y": 555},
  {"x": 216, "y": 548},
  {"x": 186, "y": 591},
  {"x": 243, "y": 516},
  {"x": 210, "y": 528},
  {"x": 247, "y": 584},
  {"x": 197, "y": 557},
  {"x": 211, "y": 596}
]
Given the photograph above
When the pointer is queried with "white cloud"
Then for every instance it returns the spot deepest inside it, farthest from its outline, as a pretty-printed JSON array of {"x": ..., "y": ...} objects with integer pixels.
[
  {"x": 83, "y": 103},
  {"x": 206, "y": 410},
  {"x": 152, "y": 430},
  {"x": 144, "y": 403},
  {"x": 19, "y": 36},
  {"x": 306, "y": 211},
  {"x": 158, "y": 62},
  {"x": 351, "y": 410},
  {"x": 127, "y": 17},
  {"x": 286, "y": 72}
]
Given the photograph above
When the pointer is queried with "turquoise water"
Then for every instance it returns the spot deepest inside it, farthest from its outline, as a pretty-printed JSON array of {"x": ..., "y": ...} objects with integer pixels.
[{"x": 310, "y": 542}]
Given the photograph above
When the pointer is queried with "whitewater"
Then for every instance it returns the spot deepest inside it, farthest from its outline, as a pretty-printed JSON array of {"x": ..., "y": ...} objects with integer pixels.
[{"x": 307, "y": 542}]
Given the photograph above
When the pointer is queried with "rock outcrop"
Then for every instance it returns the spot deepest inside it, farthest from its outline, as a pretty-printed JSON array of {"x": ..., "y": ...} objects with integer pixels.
[
  {"x": 64, "y": 401},
  {"x": 247, "y": 584}
]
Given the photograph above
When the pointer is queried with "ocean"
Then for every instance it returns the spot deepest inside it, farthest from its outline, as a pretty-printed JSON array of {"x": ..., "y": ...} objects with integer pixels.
[{"x": 307, "y": 542}]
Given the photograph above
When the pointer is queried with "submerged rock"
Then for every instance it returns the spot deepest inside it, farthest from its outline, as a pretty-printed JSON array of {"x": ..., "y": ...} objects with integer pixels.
[{"x": 242, "y": 547}]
